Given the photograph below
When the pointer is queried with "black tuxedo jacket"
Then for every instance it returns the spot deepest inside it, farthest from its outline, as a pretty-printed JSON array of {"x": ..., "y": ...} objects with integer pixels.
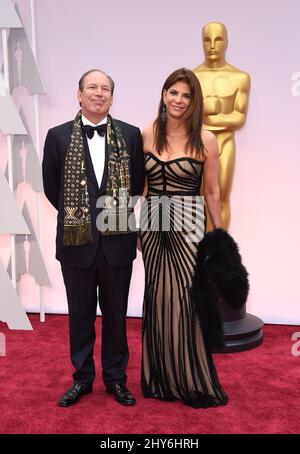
[{"x": 119, "y": 250}]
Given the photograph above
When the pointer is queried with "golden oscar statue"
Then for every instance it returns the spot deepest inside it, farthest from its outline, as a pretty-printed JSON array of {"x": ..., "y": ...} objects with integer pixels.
[{"x": 226, "y": 93}]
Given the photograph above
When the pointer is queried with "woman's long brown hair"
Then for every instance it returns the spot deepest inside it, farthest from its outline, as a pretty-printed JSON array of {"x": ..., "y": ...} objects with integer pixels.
[{"x": 193, "y": 116}]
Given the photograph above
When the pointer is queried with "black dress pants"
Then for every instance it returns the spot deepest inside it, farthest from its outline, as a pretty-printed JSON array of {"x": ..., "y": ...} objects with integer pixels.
[{"x": 81, "y": 287}]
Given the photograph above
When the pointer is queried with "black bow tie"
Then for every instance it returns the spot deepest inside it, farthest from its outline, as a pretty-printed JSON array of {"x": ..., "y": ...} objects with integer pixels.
[{"x": 89, "y": 130}]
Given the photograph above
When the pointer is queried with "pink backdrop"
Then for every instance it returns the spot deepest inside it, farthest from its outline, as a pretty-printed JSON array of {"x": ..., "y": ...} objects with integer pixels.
[{"x": 139, "y": 44}]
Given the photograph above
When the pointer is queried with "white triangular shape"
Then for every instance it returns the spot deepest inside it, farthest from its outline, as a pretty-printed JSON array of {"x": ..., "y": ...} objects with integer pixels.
[
  {"x": 18, "y": 176},
  {"x": 6, "y": 174},
  {"x": 11, "y": 220},
  {"x": 21, "y": 266},
  {"x": 23, "y": 68},
  {"x": 18, "y": 170},
  {"x": 10, "y": 121},
  {"x": 8, "y": 15},
  {"x": 33, "y": 169},
  {"x": 9, "y": 270},
  {"x": 11, "y": 310},
  {"x": 36, "y": 267}
]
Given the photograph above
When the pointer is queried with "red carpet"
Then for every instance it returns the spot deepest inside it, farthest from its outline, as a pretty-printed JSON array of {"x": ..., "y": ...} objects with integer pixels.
[{"x": 263, "y": 387}]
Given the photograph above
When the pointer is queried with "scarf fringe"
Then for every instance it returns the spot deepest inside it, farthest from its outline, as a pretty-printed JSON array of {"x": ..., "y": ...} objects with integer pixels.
[
  {"x": 118, "y": 224},
  {"x": 77, "y": 228},
  {"x": 78, "y": 235}
]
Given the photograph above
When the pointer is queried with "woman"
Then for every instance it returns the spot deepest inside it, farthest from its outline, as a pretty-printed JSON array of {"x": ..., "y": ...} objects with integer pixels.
[{"x": 178, "y": 152}]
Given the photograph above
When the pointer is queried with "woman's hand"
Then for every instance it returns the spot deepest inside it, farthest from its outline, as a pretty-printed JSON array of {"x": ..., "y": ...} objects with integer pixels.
[{"x": 139, "y": 244}]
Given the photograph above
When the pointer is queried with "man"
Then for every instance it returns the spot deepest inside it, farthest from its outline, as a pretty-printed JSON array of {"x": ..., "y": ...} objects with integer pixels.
[
  {"x": 90, "y": 157},
  {"x": 226, "y": 94}
]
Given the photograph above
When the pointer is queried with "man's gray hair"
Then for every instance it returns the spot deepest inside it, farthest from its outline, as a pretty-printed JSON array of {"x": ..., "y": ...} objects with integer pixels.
[{"x": 82, "y": 79}]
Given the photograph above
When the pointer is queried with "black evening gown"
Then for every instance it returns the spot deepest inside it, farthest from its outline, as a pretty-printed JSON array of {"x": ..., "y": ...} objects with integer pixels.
[{"x": 175, "y": 363}]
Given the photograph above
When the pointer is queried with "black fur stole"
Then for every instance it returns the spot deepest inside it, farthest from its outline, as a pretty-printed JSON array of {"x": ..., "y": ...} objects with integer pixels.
[{"x": 219, "y": 274}]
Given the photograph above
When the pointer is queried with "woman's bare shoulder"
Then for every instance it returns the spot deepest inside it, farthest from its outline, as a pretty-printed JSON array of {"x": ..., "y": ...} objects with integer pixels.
[{"x": 148, "y": 137}]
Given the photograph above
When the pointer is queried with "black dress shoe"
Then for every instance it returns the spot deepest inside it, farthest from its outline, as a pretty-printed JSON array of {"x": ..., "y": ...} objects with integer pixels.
[
  {"x": 74, "y": 394},
  {"x": 122, "y": 394}
]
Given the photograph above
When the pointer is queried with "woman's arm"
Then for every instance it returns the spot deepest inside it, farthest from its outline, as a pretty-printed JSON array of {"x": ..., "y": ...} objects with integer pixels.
[
  {"x": 211, "y": 189},
  {"x": 147, "y": 135}
]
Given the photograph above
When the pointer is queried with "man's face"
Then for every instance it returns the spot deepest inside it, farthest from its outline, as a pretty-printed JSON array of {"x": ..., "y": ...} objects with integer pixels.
[
  {"x": 214, "y": 42},
  {"x": 95, "y": 97}
]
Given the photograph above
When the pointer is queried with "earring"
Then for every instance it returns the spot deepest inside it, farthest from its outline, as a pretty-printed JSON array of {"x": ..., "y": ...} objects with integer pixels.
[{"x": 163, "y": 114}]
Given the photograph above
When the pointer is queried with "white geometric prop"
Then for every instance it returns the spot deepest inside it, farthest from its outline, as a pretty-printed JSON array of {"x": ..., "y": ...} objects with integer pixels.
[
  {"x": 33, "y": 171},
  {"x": 23, "y": 69},
  {"x": 11, "y": 310},
  {"x": 18, "y": 173},
  {"x": 20, "y": 68},
  {"x": 11, "y": 220},
  {"x": 8, "y": 15},
  {"x": 24, "y": 152},
  {"x": 10, "y": 122},
  {"x": 6, "y": 173},
  {"x": 36, "y": 265},
  {"x": 21, "y": 266}
]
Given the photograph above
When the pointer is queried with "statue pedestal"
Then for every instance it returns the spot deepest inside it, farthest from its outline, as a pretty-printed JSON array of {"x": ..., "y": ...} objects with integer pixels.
[{"x": 242, "y": 331}]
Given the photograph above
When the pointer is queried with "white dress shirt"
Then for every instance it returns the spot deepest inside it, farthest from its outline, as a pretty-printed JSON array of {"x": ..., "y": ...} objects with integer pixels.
[{"x": 97, "y": 149}]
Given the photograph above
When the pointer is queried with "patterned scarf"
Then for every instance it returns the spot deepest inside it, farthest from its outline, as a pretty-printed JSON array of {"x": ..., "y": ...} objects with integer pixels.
[{"x": 116, "y": 213}]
